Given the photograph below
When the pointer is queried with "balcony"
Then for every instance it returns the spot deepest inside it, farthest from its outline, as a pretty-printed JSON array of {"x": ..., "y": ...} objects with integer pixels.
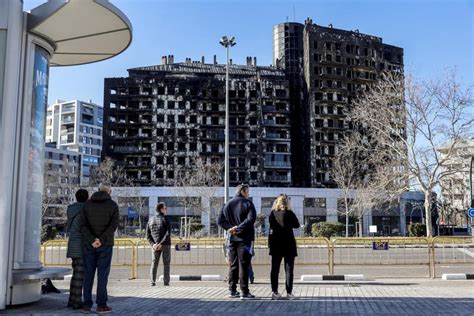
[
  {"x": 276, "y": 178},
  {"x": 269, "y": 122},
  {"x": 277, "y": 164},
  {"x": 274, "y": 136}
]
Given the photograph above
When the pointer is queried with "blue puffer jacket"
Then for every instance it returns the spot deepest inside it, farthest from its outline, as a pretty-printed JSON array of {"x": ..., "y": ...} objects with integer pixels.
[{"x": 74, "y": 245}]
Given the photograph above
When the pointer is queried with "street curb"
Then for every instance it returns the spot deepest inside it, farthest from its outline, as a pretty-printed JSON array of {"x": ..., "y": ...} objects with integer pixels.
[
  {"x": 457, "y": 276},
  {"x": 345, "y": 277},
  {"x": 204, "y": 277}
]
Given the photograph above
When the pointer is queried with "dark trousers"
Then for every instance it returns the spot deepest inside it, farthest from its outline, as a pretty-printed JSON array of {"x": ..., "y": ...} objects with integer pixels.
[
  {"x": 155, "y": 259},
  {"x": 96, "y": 259},
  {"x": 75, "y": 289},
  {"x": 289, "y": 267},
  {"x": 239, "y": 261}
]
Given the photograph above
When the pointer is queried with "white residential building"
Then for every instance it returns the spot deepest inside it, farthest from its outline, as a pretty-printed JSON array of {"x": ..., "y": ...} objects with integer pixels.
[
  {"x": 77, "y": 126},
  {"x": 456, "y": 186}
]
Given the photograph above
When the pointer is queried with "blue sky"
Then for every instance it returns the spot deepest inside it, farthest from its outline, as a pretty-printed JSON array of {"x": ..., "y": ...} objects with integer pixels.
[{"x": 434, "y": 34}]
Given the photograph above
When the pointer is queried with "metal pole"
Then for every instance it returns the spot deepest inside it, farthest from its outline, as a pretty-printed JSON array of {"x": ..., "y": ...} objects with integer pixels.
[
  {"x": 226, "y": 145},
  {"x": 470, "y": 181}
]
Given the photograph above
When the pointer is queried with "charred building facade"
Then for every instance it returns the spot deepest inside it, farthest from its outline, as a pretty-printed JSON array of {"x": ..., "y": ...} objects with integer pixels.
[
  {"x": 159, "y": 118},
  {"x": 326, "y": 68}
]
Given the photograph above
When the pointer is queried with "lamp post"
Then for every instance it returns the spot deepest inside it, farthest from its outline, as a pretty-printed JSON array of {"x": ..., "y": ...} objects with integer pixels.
[
  {"x": 470, "y": 181},
  {"x": 227, "y": 43}
]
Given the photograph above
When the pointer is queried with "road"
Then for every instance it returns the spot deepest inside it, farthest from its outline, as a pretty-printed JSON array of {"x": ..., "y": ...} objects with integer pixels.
[{"x": 397, "y": 261}]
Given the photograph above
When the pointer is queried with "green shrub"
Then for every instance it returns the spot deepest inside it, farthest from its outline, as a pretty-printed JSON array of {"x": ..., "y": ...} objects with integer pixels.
[
  {"x": 326, "y": 229},
  {"x": 417, "y": 230},
  {"x": 48, "y": 232},
  {"x": 195, "y": 226}
]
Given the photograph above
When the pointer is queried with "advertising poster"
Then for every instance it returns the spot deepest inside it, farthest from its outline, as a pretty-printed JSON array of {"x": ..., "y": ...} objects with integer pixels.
[{"x": 36, "y": 151}]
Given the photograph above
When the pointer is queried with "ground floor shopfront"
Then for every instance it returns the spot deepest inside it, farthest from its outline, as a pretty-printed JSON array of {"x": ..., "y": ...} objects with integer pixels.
[{"x": 310, "y": 206}]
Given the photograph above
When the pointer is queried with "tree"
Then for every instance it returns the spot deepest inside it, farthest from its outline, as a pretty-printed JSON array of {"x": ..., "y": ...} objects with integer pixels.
[
  {"x": 410, "y": 120},
  {"x": 108, "y": 171},
  {"x": 59, "y": 185},
  {"x": 366, "y": 179},
  {"x": 259, "y": 221},
  {"x": 139, "y": 202},
  {"x": 202, "y": 181}
]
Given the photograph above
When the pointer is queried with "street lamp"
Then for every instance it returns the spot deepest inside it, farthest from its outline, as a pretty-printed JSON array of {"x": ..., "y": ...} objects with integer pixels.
[{"x": 227, "y": 43}]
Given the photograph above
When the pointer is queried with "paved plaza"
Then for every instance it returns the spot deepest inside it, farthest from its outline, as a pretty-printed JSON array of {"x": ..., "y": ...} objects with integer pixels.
[{"x": 379, "y": 297}]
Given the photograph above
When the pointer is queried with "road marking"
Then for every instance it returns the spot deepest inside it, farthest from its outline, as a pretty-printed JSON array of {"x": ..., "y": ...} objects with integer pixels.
[{"x": 467, "y": 252}]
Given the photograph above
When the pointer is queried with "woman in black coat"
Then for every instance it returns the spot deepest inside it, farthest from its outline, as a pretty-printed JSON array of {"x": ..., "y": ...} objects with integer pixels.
[{"x": 282, "y": 243}]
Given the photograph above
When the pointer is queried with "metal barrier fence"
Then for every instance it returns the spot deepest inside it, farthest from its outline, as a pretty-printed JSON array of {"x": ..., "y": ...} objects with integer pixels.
[
  {"x": 54, "y": 254},
  {"x": 382, "y": 251},
  {"x": 452, "y": 250},
  {"x": 375, "y": 251}
]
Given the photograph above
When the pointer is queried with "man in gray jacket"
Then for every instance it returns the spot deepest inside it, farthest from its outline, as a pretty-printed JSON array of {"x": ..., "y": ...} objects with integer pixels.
[
  {"x": 74, "y": 248},
  {"x": 99, "y": 220},
  {"x": 158, "y": 234}
]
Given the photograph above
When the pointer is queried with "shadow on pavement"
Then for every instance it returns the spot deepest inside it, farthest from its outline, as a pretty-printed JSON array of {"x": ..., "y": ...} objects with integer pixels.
[{"x": 55, "y": 304}]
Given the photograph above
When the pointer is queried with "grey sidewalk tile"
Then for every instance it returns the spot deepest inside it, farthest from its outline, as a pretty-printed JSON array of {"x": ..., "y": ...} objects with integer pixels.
[{"x": 138, "y": 298}]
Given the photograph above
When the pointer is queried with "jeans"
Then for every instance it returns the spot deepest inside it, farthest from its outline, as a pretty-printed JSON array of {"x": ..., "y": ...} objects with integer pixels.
[
  {"x": 289, "y": 267},
  {"x": 96, "y": 259},
  {"x": 166, "y": 250},
  {"x": 239, "y": 261}
]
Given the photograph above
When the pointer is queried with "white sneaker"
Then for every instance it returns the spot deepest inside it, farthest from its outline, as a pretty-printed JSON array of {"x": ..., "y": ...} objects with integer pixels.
[
  {"x": 290, "y": 296},
  {"x": 276, "y": 296}
]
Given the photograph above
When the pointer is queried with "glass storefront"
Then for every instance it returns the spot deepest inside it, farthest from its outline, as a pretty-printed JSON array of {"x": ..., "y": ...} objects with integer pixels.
[{"x": 387, "y": 225}]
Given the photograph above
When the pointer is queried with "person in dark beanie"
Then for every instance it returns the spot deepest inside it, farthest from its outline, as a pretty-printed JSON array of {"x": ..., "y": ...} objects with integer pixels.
[
  {"x": 99, "y": 220},
  {"x": 158, "y": 234},
  {"x": 74, "y": 248},
  {"x": 237, "y": 218}
]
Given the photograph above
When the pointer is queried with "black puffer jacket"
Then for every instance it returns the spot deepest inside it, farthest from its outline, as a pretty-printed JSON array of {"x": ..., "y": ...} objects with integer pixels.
[
  {"x": 99, "y": 219},
  {"x": 239, "y": 212},
  {"x": 158, "y": 230}
]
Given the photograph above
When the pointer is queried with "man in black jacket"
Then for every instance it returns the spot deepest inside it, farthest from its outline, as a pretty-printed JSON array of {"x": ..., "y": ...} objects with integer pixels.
[
  {"x": 158, "y": 234},
  {"x": 237, "y": 218},
  {"x": 98, "y": 221}
]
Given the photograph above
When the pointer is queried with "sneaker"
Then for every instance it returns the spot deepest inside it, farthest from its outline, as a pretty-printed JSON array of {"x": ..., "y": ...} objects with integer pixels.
[
  {"x": 247, "y": 296},
  {"x": 103, "y": 310},
  {"x": 276, "y": 296},
  {"x": 166, "y": 284},
  {"x": 86, "y": 310},
  {"x": 252, "y": 280},
  {"x": 234, "y": 294},
  {"x": 290, "y": 296},
  {"x": 152, "y": 284}
]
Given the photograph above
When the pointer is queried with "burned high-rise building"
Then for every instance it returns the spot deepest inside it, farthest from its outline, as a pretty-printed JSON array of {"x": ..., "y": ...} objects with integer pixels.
[
  {"x": 325, "y": 68},
  {"x": 160, "y": 117}
]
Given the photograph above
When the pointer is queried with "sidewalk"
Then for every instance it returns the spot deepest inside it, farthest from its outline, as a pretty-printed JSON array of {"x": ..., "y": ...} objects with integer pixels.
[{"x": 388, "y": 297}]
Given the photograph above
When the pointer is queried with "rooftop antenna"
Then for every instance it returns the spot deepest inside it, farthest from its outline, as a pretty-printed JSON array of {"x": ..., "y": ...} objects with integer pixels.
[
  {"x": 287, "y": 19},
  {"x": 294, "y": 11}
]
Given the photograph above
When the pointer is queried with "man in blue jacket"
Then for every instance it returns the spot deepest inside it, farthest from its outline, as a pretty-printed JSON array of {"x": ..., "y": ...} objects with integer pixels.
[{"x": 237, "y": 218}]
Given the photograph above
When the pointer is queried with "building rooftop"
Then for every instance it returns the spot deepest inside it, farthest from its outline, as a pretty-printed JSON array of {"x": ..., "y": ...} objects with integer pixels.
[{"x": 198, "y": 67}]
